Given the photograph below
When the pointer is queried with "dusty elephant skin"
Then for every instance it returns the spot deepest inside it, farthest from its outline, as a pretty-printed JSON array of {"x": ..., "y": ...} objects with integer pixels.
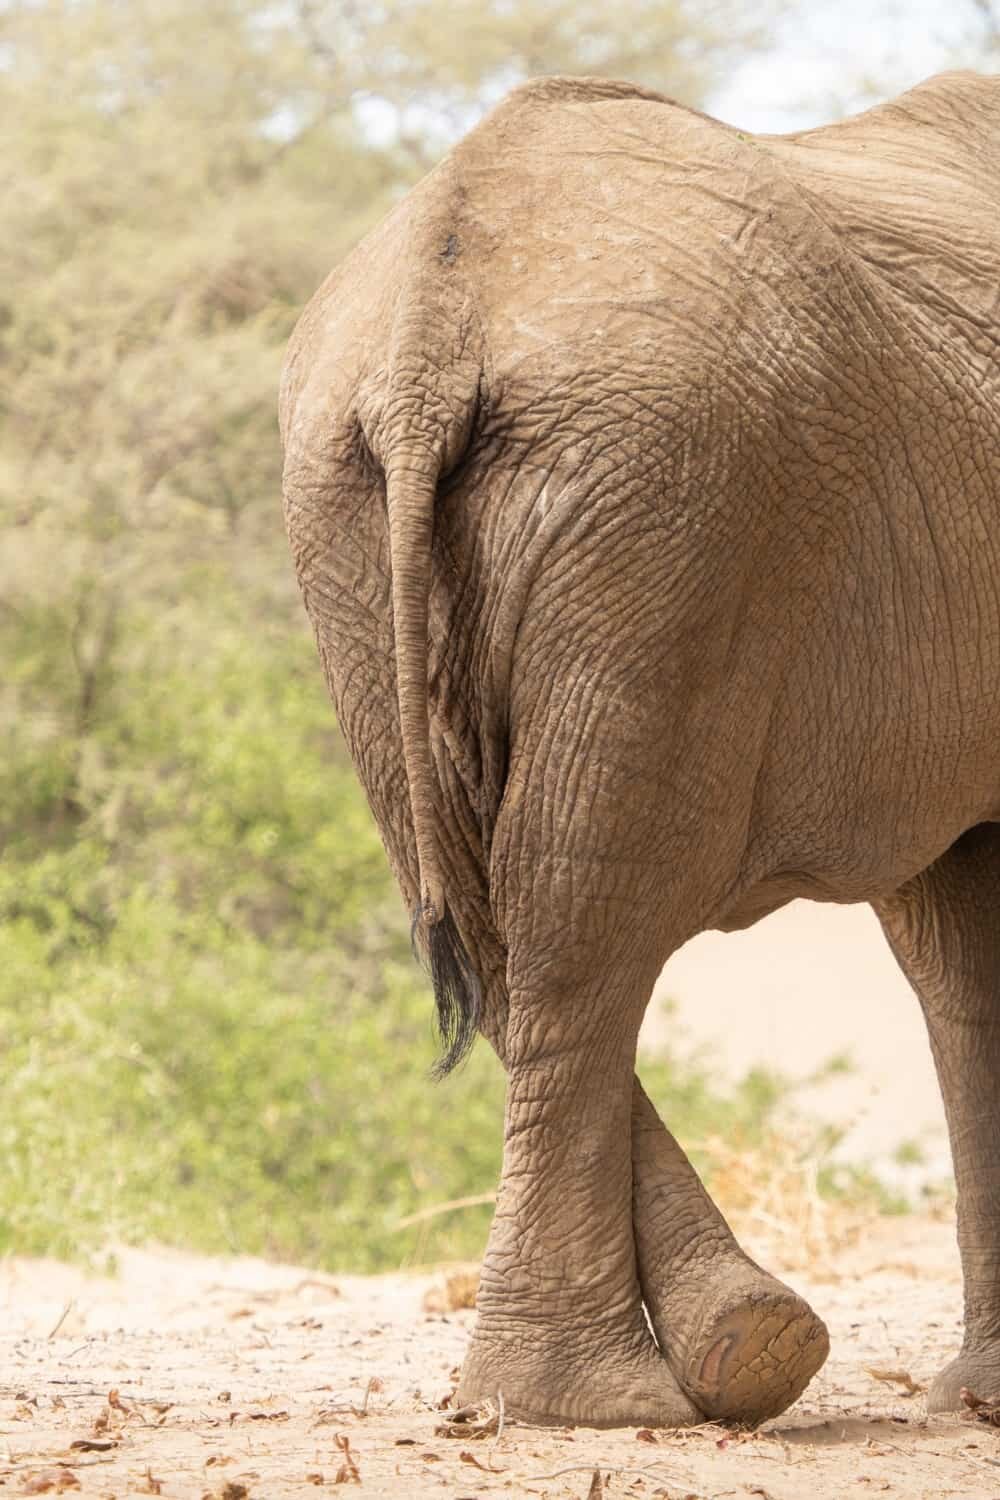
[{"x": 642, "y": 479}]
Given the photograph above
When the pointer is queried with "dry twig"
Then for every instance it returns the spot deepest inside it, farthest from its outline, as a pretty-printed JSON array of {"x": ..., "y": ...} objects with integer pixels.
[
  {"x": 897, "y": 1377},
  {"x": 474, "y": 1200}
]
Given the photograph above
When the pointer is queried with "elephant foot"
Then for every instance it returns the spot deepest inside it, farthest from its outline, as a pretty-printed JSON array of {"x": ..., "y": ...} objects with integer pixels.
[
  {"x": 750, "y": 1348},
  {"x": 977, "y": 1371},
  {"x": 587, "y": 1383},
  {"x": 755, "y": 1354}
]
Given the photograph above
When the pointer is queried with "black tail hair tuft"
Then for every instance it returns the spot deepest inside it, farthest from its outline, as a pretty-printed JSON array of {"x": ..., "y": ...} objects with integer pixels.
[{"x": 457, "y": 989}]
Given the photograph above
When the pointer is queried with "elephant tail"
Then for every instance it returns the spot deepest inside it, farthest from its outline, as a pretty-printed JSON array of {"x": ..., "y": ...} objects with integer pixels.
[{"x": 411, "y": 491}]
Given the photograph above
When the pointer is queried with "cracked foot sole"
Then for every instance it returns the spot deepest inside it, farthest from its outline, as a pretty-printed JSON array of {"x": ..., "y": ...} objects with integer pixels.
[{"x": 755, "y": 1358}]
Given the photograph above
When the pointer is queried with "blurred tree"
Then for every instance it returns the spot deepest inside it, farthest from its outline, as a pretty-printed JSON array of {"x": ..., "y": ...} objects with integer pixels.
[
  {"x": 423, "y": 73},
  {"x": 176, "y": 179}
]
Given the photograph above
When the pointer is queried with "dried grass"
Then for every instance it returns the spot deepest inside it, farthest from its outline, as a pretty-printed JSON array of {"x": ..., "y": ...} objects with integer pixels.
[
  {"x": 771, "y": 1195},
  {"x": 457, "y": 1290}
]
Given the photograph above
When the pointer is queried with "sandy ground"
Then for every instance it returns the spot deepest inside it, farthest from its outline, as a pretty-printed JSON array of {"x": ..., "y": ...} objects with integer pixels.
[
  {"x": 811, "y": 981},
  {"x": 192, "y": 1377}
]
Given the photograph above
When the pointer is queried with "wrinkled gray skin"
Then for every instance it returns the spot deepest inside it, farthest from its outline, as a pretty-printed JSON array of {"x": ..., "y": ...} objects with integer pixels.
[{"x": 643, "y": 482}]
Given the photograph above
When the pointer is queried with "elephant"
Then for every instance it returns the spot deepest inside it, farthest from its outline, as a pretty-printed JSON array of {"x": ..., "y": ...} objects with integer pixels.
[{"x": 642, "y": 482}]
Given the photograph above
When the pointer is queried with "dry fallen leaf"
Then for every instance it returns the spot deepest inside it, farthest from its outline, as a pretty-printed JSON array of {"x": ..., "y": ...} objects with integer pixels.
[
  {"x": 646, "y": 1435},
  {"x": 348, "y": 1471},
  {"x": 596, "y": 1491},
  {"x": 738, "y": 1435},
  {"x": 979, "y": 1410},
  {"x": 466, "y": 1457},
  {"x": 476, "y": 1421},
  {"x": 897, "y": 1377},
  {"x": 50, "y": 1479}
]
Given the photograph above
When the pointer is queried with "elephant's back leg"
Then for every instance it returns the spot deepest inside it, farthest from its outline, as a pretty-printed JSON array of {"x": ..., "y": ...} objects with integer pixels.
[
  {"x": 591, "y": 893},
  {"x": 577, "y": 900},
  {"x": 944, "y": 928},
  {"x": 560, "y": 1328}
]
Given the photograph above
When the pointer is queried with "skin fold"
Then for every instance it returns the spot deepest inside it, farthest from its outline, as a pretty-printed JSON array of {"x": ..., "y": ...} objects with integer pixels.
[{"x": 642, "y": 479}]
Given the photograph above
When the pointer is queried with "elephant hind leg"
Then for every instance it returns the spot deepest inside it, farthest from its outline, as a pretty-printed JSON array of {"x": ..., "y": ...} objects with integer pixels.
[
  {"x": 592, "y": 894},
  {"x": 944, "y": 928},
  {"x": 742, "y": 1344},
  {"x": 560, "y": 1327}
]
